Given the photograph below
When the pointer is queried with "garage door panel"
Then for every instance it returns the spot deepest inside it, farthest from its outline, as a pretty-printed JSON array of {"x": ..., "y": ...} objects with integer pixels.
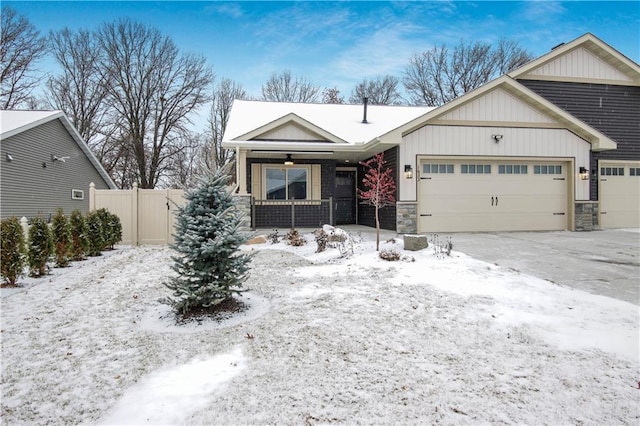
[
  {"x": 619, "y": 194},
  {"x": 458, "y": 202}
]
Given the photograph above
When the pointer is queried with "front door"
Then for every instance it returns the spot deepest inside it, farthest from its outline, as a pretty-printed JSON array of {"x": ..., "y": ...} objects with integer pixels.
[{"x": 345, "y": 197}]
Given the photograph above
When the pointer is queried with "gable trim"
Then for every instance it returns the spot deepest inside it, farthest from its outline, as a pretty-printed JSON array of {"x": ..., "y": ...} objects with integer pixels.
[
  {"x": 290, "y": 118},
  {"x": 594, "y": 45}
]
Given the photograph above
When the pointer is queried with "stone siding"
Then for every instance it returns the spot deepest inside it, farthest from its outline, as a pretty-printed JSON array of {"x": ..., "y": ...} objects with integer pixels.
[
  {"x": 407, "y": 218},
  {"x": 243, "y": 203},
  {"x": 587, "y": 216}
]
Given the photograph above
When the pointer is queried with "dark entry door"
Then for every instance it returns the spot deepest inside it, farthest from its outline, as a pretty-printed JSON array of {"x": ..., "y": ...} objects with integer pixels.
[{"x": 345, "y": 197}]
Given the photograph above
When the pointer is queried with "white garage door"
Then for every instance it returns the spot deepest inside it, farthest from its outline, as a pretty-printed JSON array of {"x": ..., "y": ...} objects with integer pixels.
[
  {"x": 619, "y": 194},
  {"x": 466, "y": 196}
]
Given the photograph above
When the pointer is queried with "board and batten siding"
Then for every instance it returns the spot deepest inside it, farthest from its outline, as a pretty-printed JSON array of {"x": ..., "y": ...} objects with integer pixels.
[
  {"x": 613, "y": 110},
  {"x": 290, "y": 132},
  {"x": 473, "y": 141},
  {"x": 34, "y": 185}
]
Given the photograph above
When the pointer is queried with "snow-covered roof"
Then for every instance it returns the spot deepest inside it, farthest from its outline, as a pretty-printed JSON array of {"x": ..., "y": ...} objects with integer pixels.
[
  {"x": 13, "y": 122},
  {"x": 16, "y": 121},
  {"x": 336, "y": 122}
]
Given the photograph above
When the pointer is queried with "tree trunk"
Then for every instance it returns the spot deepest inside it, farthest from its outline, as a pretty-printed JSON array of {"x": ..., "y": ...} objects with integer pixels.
[{"x": 377, "y": 230}]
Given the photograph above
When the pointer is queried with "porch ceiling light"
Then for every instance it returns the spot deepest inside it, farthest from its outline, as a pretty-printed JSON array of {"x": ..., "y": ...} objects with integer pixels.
[{"x": 288, "y": 161}]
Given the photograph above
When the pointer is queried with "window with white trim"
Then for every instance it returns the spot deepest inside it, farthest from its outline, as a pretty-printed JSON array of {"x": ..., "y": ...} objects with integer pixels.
[
  {"x": 77, "y": 194},
  {"x": 434, "y": 168},
  {"x": 547, "y": 169},
  {"x": 513, "y": 169},
  {"x": 475, "y": 169},
  {"x": 634, "y": 171},
  {"x": 611, "y": 171},
  {"x": 286, "y": 183}
]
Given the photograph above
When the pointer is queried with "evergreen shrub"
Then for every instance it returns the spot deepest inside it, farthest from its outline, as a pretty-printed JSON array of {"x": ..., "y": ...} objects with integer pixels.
[
  {"x": 40, "y": 247},
  {"x": 95, "y": 234},
  {"x": 12, "y": 259},
  {"x": 79, "y": 235},
  {"x": 62, "y": 239}
]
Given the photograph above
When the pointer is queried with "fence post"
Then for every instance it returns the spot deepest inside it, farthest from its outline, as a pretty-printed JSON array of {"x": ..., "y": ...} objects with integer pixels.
[
  {"x": 134, "y": 215},
  {"x": 293, "y": 213},
  {"x": 331, "y": 211},
  {"x": 25, "y": 227}
]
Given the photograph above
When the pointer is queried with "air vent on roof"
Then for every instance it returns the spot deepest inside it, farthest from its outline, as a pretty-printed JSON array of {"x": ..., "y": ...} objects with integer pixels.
[
  {"x": 555, "y": 47},
  {"x": 364, "y": 119}
]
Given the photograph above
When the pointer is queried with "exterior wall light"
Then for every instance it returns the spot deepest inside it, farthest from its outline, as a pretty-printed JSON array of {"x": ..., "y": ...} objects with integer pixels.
[
  {"x": 584, "y": 173},
  {"x": 408, "y": 171},
  {"x": 9, "y": 157},
  {"x": 288, "y": 161},
  {"x": 497, "y": 138}
]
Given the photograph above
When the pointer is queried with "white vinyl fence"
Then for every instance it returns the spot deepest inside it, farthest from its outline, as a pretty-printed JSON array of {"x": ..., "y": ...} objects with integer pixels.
[{"x": 147, "y": 215}]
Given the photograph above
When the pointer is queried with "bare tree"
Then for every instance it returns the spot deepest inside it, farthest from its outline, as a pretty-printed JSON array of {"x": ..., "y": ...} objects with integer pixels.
[
  {"x": 331, "y": 95},
  {"x": 383, "y": 90},
  {"x": 437, "y": 76},
  {"x": 80, "y": 91},
  {"x": 284, "y": 87},
  {"x": 20, "y": 48},
  {"x": 153, "y": 89},
  {"x": 188, "y": 164},
  {"x": 223, "y": 96}
]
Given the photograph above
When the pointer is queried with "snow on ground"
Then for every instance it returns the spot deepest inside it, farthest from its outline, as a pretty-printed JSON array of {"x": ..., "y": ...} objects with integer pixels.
[{"x": 327, "y": 339}]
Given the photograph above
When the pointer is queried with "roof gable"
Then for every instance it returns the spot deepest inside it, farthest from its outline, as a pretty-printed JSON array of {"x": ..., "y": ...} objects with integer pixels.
[
  {"x": 584, "y": 60},
  {"x": 13, "y": 122},
  {"x": 598, "y": 140},
  {"x": 291, "y": 127}
]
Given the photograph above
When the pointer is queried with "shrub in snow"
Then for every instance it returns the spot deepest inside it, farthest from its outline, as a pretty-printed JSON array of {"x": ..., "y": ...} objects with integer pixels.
[
  {"x": 210, "y": 269},
  {"x": 40, "y": 247},
  {"x": 12, "y": 252},
  {"x": 111, "y": 228},
  {"x": 441, "y": 247},
  {"x": 321, "y": 240},
  {"x": 293, "y": 238},
  {"x": 95, "y": 234},
  {"x": 79, "y": 235},
  {"x": 274, "y": 237},
  {"x": 390, "y": 255},
  {"x": 61, "y": 239}
]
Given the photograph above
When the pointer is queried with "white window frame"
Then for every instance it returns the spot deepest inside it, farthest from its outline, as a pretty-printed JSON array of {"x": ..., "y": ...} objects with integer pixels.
[
  {"x": 266, "y": 167},
  {"x": 77, "y": 194}
]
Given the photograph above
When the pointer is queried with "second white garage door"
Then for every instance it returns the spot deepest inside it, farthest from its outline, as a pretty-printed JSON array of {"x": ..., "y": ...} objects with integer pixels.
[
  {"x": 619, "y": 189},
  {"x": 468, "y": 196}
]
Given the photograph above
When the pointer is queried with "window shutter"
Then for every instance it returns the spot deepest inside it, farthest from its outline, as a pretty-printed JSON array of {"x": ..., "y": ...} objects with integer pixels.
[
  {"x": 316, "y": 182},
  {"x": 255, "y": 181}
]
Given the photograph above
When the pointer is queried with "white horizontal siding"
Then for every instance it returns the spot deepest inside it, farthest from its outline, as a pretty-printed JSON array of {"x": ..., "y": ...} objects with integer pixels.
[
  {"x": 497, "y": 105},
  {"x": 458, "y": 141},
  {"x": 579, "y": 63},
  {"x": 290, "y": 132}
]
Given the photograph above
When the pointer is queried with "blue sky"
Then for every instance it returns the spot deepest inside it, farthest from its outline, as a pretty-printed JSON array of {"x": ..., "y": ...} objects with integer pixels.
[{"x": 340, "y": 43}]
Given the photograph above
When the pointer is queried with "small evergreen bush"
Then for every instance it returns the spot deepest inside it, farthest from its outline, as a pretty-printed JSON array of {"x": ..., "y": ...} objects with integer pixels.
[
  {"x": 79, "y": 235},
  {"x": 95, "y": 234},
  {"x": 210, "y": 269},
  {"x": 12, "y": 257},
  {"x": 61, "y": 239},
  {"x": 293, "y": 238},
  {"x": 40, "y": 247},
  {"x": 111, "y": 228}
]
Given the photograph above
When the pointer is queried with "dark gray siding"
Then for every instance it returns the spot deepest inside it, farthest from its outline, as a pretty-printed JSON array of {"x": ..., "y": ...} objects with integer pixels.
[
  {"x": 30, "y": 189},
  {"x": 387, "y": 215},
  {"x": 613, "y": 110}
]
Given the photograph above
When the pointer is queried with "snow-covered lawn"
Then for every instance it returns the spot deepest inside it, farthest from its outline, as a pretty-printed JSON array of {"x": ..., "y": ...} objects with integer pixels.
[{"x": 327, "y": 339}]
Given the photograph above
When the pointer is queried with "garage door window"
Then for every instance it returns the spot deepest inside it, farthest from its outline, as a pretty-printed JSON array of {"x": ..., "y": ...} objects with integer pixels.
[
  {"x": 544, "y": 169},
  {"x": 612, "y": 171},
  {"x": 513, "y": 169},
  {"x": 437, "y": 168},
  {"x": 634, "y": 171},
  {"x": 475, "y": 169}
]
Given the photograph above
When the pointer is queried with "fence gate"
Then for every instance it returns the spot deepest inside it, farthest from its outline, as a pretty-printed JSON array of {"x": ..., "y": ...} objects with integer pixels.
[{"x": 147, "y": 215}]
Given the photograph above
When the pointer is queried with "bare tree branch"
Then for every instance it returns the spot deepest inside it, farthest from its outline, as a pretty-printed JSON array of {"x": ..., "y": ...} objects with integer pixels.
[
  {"x": 381, "y": 91},
  {"x": 20, "y": 48},
  {"x": 284, "y": 87}
]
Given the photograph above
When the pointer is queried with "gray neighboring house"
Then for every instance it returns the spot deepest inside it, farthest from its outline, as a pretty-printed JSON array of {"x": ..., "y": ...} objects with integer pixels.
[{"x": 45, "y": 165}]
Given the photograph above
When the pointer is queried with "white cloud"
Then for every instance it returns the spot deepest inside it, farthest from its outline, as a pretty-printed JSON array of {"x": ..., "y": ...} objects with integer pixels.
[{"x": 232, "y": 10}]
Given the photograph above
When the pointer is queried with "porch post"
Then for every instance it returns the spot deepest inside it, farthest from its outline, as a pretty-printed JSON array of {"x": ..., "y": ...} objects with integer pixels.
[{"x": 241, "y": 170}]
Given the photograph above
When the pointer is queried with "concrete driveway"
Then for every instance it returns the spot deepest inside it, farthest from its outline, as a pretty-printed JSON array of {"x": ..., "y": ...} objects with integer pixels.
[{"x": 599, "y": 262}]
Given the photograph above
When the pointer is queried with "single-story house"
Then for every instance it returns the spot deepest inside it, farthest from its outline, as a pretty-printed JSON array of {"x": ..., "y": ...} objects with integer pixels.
[
  {"x": 45, "y": 165},
  {"x": 514, "y": 154}
]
